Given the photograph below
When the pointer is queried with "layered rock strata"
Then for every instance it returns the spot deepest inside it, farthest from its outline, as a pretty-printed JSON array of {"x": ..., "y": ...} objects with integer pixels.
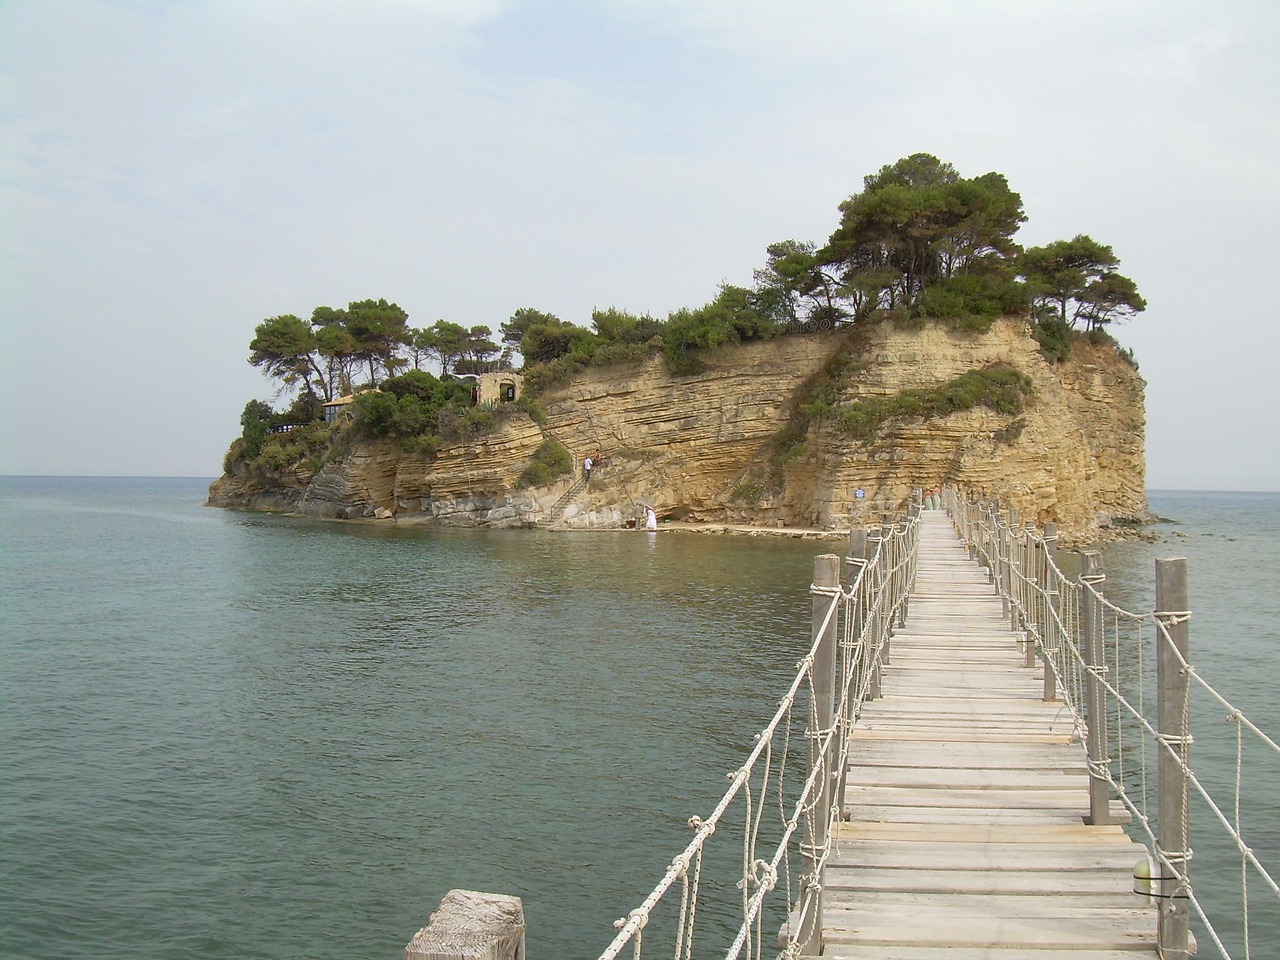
[{"x": 698, "y": 448}]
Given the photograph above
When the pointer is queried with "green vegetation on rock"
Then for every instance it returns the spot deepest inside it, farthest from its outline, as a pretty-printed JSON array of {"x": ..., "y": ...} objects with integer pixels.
[
  {"x": 998, "y": 387},
  {"x": 550, "y": 461}
]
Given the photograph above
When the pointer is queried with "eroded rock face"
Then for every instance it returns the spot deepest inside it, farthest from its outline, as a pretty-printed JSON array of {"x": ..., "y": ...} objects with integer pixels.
[{"x": 697, "y": 447}]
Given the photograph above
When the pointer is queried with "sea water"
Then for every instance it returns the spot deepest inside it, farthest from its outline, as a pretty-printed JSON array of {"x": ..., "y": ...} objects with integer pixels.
[{"x": 232, "y": 735}]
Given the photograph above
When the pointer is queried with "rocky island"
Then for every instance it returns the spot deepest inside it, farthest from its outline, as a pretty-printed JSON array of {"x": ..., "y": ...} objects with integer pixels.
[{"x": 847, "y": 377}]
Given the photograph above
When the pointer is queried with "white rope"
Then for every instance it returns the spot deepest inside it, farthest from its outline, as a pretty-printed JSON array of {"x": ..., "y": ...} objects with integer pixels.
[
  {"x": 1002, "y": 551},
  {"x": 875, "y": 598}
]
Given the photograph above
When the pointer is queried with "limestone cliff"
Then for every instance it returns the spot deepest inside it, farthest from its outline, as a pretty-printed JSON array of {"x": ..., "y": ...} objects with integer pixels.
[{"x": 698, "y": 448}]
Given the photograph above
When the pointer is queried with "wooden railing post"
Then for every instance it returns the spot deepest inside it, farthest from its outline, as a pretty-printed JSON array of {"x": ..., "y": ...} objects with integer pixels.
[
  {"x": 1091, "y": 576},
  {"x": 1173, "y": 839},
  {"x": 900, "y": 595},
  {"x": 855, "y": 670},
  {"x": 875, "y": 616},
  {"x": 1035, "y": 573},
  {"x": 826, "y": 586},
  {"x": 1049, "y": 578},
  {"x": 1016, "y": 566}
]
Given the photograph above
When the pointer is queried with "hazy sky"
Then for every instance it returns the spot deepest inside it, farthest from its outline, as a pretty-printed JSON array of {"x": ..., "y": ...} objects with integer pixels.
[{"x": 175, "y": 172}]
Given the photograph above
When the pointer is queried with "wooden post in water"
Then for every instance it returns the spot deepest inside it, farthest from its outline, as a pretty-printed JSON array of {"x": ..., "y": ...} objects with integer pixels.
[
  {"x": 1173, "y": 838},
  {"x": 826, "y": 587},
  {"x": 1091, "y": 575},
  {"x": 471, "y": 926}
]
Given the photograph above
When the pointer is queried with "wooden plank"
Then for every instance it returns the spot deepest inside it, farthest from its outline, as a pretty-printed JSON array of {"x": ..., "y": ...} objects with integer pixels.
[
  {"x": 857, "y": 794},
  {"x": 966, "y": 779},
  {"x": 862, "y": 881},
  {"x": 1034, "y": 933},
  {"x": 951, "y": 854},
  {"x": 853, "y": 951},
  {"x": 903, "y": 907},
  {"x": 991, "y": 833}
]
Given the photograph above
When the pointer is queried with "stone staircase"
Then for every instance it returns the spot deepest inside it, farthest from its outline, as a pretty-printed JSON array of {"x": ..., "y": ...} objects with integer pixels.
[{"x": 553, "y": 515}]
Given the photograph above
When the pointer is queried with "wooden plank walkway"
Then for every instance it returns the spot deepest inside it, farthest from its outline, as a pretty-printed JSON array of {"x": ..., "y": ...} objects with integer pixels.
[{"x": 965, "y": 799}]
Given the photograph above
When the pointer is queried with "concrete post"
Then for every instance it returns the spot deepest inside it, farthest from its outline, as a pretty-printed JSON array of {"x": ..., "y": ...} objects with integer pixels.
[
  {"x": 471, "y": 926},
  {"x": 1095, "y": 694},
  {"x": 826, "y": 582},
  {"x": 1173, "y": 838}
]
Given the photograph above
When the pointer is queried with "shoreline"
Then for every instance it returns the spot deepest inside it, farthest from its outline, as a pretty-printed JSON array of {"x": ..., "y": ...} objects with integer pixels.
[{"x": 1107, "y": 535}]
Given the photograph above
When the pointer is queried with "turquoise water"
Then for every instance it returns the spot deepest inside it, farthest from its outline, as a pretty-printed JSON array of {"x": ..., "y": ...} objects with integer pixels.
[{"x": 230, "y": 735}]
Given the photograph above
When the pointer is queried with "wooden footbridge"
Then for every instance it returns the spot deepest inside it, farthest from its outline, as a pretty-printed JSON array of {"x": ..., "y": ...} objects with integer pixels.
[
  {"x": 970, "y": 764},
  {"x": 963, "y": 830}
]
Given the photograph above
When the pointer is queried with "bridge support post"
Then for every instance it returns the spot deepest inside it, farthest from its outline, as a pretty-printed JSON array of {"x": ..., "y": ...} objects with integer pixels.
[
  {"x": 1023, "y": 568},
  {"x": 854, "y": 669},
  {"x": 1091, "y": 575},
  {"x": 826, "y": 588},
  {"x": 1017, "y": 565},
  {"x": 1173, "y": 839},
  {"x": 1041, "y": 606},
  {"x": 873, "y": 620},
  {"x": 471, "y": 926}
]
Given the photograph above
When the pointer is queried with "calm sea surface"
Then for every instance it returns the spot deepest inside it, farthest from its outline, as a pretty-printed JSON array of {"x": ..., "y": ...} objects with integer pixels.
[{"x": 230, "y": 736}]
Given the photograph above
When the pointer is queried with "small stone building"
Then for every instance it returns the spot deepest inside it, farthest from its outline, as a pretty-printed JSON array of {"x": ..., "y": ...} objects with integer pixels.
[{"x": 491, "y": 389}]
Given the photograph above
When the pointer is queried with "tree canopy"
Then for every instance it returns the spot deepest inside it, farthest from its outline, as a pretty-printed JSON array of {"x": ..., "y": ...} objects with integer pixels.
[
  {"x": 1076, "y": 281},
  {"x": 918, "y": 241},
  {"x": 917, "y": 224},
  {"x": 361, "y": 345}
]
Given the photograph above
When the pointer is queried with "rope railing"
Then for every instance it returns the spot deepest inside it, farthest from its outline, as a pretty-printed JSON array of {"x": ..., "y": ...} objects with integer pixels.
[
  {"x": 1126, "y": 683},
  {"x": 785, "y": 830}
]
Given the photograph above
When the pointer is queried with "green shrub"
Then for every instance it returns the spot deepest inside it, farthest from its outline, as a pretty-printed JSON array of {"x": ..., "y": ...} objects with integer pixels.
[
  {"x": 749, "y": 490},
  {"x": 815, "y": 398},
  {"x": 1010, "y": 432},
  {"x": 972, "y": 301},
  {"x": 528, "y": 404},
  {"x": 424, "y": 445},
  {"x": 543, "y": 375},
  {"x": 306, "y": 408},
  {"x": 282, "y": 451},
  {"x": 1054, "y": 336},
  {"x": 465, "y": 423},
  {"x": 409, "y": 405},
  {"x": 611, "y": 354},
  {"x": 235, "y": 454},
  {"x": 255, "y": 420},
  {"x": 998, "y": 387},
  {"x": 550, "y": 461}
]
